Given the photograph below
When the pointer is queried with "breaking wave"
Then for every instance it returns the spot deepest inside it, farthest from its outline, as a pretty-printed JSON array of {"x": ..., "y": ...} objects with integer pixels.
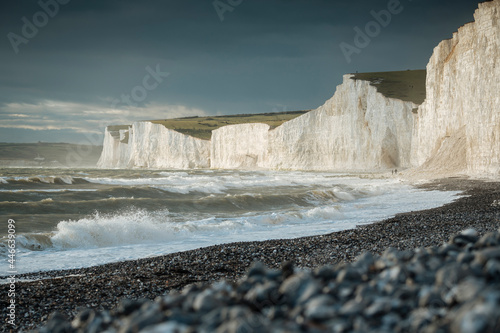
[
  {"x": 112, "y": 230},
  {"x": 68, "y": 180},
  {"x": 142, "y": 227},
  {"x": 101, "y": 216}
]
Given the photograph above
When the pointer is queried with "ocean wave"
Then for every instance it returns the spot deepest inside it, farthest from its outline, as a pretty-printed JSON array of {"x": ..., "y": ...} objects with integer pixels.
[
  {"x": 144, "y": 213},
  {"x": 51, "y": 190},
  {"x": 61, "y": 207},
  {"x": 35, "y": 242},
  {"x": 268, "y": 200},
  {"x": 190, "y": 183},
  {"x": 138, "y": 227},
  {"x": 176, "y": 173},
  {"x": 46, "y": 200},
  {"x": 142, "y": 227},
  {"x": 72, "y": 202},
  {"x": 61, "y": 180},
  {"x": 112, "y": 230},
  {"x": 230, "y": 181},
  {"x": 177, "y": 183},
  {"x": 134, "y": 227},
  {"x": 128, "y": 181},
  {"x": 30, "y": 242},
  {"x": 194, "y": 188},
  {"x": 335, "y": 194},
  {"x": 324, "y": 213}
]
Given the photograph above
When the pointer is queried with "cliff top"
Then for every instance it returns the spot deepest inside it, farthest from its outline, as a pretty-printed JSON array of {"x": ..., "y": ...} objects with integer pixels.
[
  {"x": 202, "y": 127},
  {"x": 404, "y": 85}
]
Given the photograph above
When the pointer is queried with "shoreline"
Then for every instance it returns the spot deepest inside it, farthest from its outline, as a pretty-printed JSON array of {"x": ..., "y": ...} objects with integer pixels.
[{"x": 102, "y": 287}]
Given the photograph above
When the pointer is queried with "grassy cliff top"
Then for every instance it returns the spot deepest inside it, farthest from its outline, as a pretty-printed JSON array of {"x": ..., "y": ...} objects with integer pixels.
[
  {"x": 202, "y": 127},
  {"x": 404, "y": 85}
]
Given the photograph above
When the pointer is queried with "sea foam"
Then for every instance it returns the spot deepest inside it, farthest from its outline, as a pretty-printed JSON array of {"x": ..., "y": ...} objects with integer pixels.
[{"x": 216, "y": 207}]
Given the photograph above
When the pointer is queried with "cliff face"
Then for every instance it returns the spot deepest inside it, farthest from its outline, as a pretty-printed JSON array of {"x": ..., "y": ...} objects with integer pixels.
[
  {"x": 148, "y": 145},
  {"x": 115, "y": 150},
  {"x": 456, "y": 130},
  {"x": 459, "y": 121},
  {"x": 358, "y": 128},
  {"x": 242, "y": 146}
]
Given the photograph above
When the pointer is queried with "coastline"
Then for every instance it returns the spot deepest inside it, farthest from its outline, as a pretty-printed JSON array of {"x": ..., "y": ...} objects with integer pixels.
[{"x": 102, "y": 287}]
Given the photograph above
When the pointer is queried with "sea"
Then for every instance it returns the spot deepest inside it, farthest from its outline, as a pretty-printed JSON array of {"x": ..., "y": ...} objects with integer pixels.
[{"x": 73, "y": 218}]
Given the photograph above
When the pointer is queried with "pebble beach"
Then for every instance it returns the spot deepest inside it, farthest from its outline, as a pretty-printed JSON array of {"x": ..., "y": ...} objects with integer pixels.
[{"x": 319, "y": 283}]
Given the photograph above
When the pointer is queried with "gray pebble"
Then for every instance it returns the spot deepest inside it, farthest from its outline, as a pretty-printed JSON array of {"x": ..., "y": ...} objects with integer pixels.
[{"x": 453, "y": 288}]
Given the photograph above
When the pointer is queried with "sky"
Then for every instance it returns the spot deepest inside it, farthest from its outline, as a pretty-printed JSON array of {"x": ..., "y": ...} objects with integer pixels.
[{"x": 68, "y": 68}]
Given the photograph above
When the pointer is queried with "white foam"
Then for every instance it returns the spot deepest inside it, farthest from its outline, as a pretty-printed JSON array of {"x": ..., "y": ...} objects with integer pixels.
[
  {"x": 103, "y": 231},
  {"x": 324, "y": 213},
  {"x": 46, "y": 179},
  {"x": 177, "y": 173},
  {"x": 207, "y": 182},
  {"x": 320, "y": 203},
  {"x": 52, "y": 190},
  {"x": 209, "y": 188},
  {"x": 67, "y": 179}
]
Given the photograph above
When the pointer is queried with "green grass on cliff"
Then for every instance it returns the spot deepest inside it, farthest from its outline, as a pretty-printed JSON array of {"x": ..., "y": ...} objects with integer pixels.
[
  {"x": 202, "y": 127},
  {"x": 404, "y": 85}
]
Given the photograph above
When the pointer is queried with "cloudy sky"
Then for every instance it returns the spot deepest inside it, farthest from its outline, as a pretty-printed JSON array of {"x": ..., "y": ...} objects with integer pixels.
[{"x": 70, "y": 67}]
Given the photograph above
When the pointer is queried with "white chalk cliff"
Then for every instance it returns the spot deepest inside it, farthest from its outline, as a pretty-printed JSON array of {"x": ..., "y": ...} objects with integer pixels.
[
  {"x": 115, "y": 150},
  {"x": 242, "y": 146},
  {"x": 456, "y": 130},
  {"x": 149, "y": 145},
  {"x": 358, "y": 128}
]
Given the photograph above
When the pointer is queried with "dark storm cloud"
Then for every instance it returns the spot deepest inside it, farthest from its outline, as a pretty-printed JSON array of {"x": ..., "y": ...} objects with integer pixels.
[{"x": 264, "y": 56}]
